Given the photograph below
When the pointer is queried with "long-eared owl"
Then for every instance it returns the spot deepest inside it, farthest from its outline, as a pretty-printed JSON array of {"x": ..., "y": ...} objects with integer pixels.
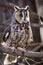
[{"x": 19, "y": 33}]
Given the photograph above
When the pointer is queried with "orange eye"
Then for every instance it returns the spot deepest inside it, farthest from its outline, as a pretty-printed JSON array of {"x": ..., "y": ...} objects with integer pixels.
[{"x": 19, "y": 15}]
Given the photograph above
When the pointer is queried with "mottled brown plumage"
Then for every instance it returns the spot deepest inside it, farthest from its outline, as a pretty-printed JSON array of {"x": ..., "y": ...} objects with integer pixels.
[{"x": 20, "y": 29}]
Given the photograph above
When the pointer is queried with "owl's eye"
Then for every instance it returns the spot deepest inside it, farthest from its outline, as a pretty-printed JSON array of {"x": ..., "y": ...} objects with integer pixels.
[
  {"x": 27, "y": 13},
  {"x": 20, "y": 15}
]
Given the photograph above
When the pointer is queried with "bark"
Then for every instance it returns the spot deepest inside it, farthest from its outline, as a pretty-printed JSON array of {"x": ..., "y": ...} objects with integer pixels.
[{"x": 21, "y": 52}]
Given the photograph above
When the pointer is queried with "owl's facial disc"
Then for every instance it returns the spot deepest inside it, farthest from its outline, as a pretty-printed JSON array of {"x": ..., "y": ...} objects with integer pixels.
[{"x": 22, "y": 14}]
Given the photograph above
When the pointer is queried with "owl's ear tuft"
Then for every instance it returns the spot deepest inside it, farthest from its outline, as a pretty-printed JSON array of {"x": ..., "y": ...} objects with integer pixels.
[
  {"x": 16, "y": 8},
  {"x": 27, "y": 8}
]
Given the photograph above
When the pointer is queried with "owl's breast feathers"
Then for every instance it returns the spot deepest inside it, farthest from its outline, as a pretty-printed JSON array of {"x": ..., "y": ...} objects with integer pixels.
[
  {"x": 21, "y": 34},
  {"x": 18, "y": 34}
]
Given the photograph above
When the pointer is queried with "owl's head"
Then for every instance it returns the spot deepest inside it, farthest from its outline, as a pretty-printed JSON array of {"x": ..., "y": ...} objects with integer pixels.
[{"x": 22, "y": 14}]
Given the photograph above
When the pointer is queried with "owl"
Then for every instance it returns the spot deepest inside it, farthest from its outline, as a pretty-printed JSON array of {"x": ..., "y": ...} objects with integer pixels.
[{"x": 19, "y": 33}]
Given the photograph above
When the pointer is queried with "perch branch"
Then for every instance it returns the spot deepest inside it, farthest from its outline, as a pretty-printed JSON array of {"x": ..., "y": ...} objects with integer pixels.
[{"x": 21, "y": 52}]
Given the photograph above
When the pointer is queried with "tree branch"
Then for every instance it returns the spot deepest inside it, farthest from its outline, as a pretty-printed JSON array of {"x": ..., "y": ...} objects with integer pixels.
[{"x": 21, "y": 52}]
